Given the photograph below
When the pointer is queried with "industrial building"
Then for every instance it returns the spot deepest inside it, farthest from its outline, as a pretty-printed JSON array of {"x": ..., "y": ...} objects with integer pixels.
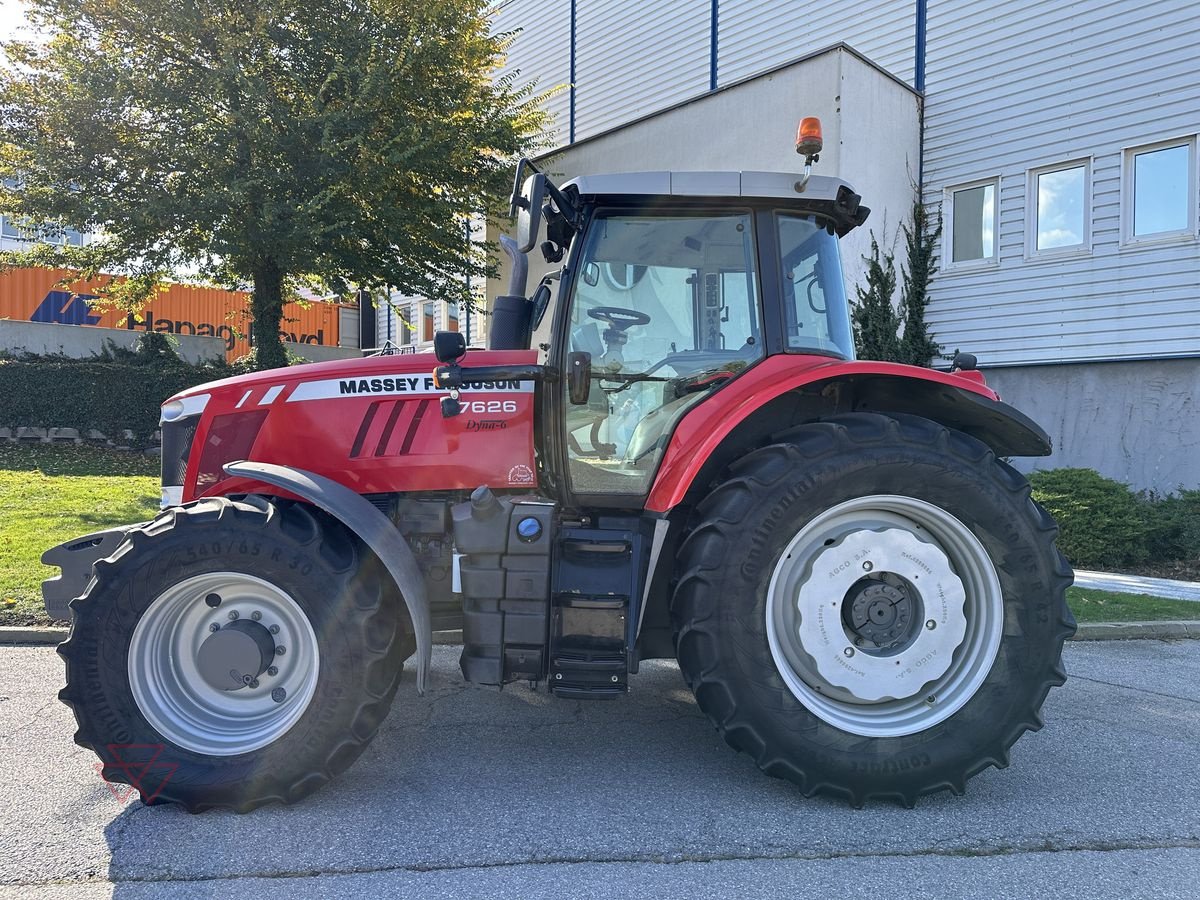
[{"x": 1058, "y": 141}]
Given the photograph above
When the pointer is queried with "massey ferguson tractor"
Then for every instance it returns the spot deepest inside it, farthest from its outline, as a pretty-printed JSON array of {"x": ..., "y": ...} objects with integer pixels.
[{"x": 685, "y": 462}]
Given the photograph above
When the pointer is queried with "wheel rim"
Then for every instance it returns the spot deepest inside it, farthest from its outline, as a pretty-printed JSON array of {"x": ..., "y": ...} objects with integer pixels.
[
  {"x": 223, "y": 621},
  {"x": 884, "y": 615}
]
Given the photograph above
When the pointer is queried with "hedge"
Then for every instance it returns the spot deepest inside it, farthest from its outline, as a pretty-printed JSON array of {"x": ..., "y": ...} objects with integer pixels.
[
  {"x": 1104, "y": 523},
  {"x": 118, "y": 391}
]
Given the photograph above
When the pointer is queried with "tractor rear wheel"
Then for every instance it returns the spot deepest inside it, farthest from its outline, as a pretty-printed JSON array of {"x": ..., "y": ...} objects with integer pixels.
[
  {"x": 231, "y": 653},
  {"x": 872, "y": 607}
]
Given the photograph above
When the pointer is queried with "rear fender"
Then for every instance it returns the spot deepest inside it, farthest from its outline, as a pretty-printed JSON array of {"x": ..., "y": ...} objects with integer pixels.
[
  {"x": 784, "y": 391},
  {"x": 371, "y": 526}
]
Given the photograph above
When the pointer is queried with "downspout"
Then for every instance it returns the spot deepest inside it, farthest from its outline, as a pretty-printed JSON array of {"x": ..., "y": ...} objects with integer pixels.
[
  {"x": 713, "y": 36},
  {"x": 571, "y": 134},
  {"x": 919, "y": 84}
]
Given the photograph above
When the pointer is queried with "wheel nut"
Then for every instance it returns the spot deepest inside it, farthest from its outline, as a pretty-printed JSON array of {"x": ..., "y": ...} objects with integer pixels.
[
  {"x": 849, "y": 651},
  {"x": 233, "y": 614},
  {"x": 274, "y": 629},
  {"x": 867, "y": 566},
  {"x": 278, "y": 695},
  {"x": 214, "y": 627},
  {"x": 272, "y": 670},
  {"x": 280, "y": 650},
  {"x": 256, "y": 616},
  {"x": 931, "y": 624}
]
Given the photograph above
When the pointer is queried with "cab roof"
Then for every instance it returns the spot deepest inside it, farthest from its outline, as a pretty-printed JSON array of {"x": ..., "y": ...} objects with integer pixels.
[
  {"x": 825, "y": 194},
  {"x": 766, "y": 185}
]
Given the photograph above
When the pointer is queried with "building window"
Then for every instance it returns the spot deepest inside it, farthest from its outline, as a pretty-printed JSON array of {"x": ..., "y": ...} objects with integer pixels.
[
  {"x": 452, "y": 317},
  {"x": 972, "y": 222},
  {"x": 1059, "y": 201},
  {"x": 1160, "y": 190},
  {"x": 427, "y": 322}
]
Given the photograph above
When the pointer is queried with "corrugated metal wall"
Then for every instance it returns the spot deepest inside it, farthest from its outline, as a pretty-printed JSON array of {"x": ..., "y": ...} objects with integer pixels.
[
  {"x": 541, "y": 51},
  {"x": 1044, "y": 83},
  {"x": 635, "y": 58},
  {"x": 757, "y": 35},
  {"x": 37, "y": 295}
]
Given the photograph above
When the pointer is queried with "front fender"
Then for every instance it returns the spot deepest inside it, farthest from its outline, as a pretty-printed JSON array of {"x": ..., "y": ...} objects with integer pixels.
[
  {"x": 372, "y": 527},
  {"x": 963, "y": 402}
]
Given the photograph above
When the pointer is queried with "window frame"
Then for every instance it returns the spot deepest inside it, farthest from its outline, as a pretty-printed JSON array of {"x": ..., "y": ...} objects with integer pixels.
[
  {"x": 949, "y": 264},
  {"x": 1128, "y": 197},
  {"x": 1032, "y": 213}
]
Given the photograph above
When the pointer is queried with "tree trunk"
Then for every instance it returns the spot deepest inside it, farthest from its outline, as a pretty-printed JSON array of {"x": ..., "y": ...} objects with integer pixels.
[{"x": 266, "y": 307}]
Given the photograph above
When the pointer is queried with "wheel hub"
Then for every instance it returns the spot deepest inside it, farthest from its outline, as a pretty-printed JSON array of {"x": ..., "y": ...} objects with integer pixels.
[
  {"x": 910, "y": 609},
  {"x": 232, "y": 658},
  {"x": 879, "y": 612}
]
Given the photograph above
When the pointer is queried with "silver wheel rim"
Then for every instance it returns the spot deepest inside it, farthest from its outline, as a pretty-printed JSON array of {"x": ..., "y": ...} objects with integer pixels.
[
  {"x": 948, "y": 639},
  {"x": 175, "y": 698}
]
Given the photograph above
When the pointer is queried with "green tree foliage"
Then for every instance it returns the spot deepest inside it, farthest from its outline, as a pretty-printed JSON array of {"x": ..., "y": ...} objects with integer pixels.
[
  {"x": 917, "y": 346},
  {"x": 876, "y": 323},
  {"x": 255, "y": 143},
  {"x": 881, "y": 331}
]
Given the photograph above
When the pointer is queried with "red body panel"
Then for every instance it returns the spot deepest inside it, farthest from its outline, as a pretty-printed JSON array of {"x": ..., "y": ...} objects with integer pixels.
[
  {"x": 374, "y": 425},
  {"x": 704, "y": 427}
]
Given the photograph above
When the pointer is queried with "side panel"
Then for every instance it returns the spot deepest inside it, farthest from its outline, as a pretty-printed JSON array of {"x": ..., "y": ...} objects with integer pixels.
[
  {"x": 374, "y": 425},
  {"x": 703, "y": 429}
]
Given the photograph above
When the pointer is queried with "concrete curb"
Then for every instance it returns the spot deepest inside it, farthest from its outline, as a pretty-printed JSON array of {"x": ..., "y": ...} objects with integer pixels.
[
  {"x": 48, "y": 634},
  {"x": 1095, "y": 631},
  {"x": 1130, "y": 631},
  {"x": 32, "y": 634}
]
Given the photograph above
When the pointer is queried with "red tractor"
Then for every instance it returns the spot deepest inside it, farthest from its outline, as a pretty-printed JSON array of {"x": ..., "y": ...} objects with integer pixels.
[{"x": 858, "y": 588}]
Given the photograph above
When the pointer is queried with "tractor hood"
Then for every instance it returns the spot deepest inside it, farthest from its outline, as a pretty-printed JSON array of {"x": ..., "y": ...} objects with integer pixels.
[{"x": 373, "y": 424}]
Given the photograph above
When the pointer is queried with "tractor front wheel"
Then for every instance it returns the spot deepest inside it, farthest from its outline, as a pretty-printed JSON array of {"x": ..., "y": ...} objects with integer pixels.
[
  {"x": 231, "y": 653},
  {"x": 872, "y": 607}
]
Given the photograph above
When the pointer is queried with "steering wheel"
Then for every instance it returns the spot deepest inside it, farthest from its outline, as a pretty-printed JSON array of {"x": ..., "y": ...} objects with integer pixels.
[{"x": 619, "y": 318}]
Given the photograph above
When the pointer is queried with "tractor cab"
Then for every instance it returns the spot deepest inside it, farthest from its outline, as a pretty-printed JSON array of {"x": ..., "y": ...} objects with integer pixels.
[{"x": 674, "y": 283}]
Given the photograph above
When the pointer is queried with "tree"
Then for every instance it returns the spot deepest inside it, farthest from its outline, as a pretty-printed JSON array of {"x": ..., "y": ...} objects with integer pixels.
[
  {"x": 917, "y": 346},
  {"x": 881, "y": 331},
  {"x": 876, "y": 324},
  {"x": 256, "y": 143}
]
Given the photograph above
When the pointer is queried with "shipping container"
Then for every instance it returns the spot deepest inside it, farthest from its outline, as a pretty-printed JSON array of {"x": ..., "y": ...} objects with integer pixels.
[{"x": 58, "y": 296}]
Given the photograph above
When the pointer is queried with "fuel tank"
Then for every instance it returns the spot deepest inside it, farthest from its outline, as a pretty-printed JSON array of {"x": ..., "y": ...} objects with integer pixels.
[{"x": 373, "y": 424}]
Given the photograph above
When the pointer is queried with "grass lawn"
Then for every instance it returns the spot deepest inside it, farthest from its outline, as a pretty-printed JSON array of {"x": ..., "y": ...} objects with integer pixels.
[
  {"x": 1105, "y": 606},
  {"x": 50, "y": 493}
]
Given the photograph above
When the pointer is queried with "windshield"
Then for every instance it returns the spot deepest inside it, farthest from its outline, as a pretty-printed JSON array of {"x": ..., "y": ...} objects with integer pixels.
[
  {"x": 814, "y": 298},
  {"x": 667, "y": 308}
]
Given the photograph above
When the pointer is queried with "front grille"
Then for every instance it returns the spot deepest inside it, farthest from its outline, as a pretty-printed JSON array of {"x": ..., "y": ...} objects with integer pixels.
[{"x": 177, "y": 440}]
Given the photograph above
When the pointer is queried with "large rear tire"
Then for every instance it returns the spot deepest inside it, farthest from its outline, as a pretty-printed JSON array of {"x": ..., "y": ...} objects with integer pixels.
[
  {"x": 872, "y": 607},
  {"x": 232, "y": 653}
]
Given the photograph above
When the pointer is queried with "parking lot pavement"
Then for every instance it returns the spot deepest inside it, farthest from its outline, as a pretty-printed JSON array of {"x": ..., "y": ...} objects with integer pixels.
[{"x": 469, "y": 792}]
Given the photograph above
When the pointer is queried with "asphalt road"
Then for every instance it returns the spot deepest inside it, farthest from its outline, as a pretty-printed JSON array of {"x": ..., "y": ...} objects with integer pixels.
[{"x": 468, "y": 792}]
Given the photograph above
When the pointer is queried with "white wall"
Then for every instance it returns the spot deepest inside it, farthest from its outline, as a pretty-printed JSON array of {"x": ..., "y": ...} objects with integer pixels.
[
  {"x": 79, "y": 342},
  {"x": 870, "y": 126},
  {"x": 1041, "y": 83}
]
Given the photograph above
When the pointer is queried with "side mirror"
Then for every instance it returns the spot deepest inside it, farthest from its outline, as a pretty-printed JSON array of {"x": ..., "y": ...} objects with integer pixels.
[
  {"x": 579, "y": 377},
  {"x": 449, "y": 346},
  {"x": 540, "y": 302},
  {"x": 591, "y": 274},
  {"x": 529, "y": 216}
]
